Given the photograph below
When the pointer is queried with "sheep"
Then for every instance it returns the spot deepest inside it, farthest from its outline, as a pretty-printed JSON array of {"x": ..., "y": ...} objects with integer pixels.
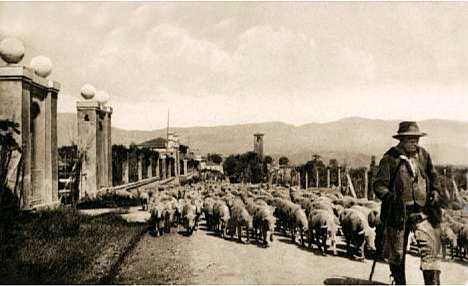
[
  {"x": 357, "y": 231},
  {"x": 323, "y": 224},
  {"x": 240, "y": 217},
  {"x": 144, "y": 200}
]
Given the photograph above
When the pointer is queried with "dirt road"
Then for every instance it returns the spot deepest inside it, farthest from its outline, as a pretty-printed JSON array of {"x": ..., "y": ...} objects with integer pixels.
[{"x": 206, "y": 259}]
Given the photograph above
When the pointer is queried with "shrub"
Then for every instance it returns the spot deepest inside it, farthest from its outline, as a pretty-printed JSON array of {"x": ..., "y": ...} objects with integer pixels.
[
  {"x": 54, "y": 224},
  {"x": 63, "y": 256}
]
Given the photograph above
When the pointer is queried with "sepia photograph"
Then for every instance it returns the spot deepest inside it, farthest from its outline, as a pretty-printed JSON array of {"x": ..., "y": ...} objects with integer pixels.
[{"x": 233, "y": 143}]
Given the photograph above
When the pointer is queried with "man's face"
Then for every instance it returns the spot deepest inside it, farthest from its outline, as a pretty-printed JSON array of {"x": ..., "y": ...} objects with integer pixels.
[{"x": 409, "y": 143}]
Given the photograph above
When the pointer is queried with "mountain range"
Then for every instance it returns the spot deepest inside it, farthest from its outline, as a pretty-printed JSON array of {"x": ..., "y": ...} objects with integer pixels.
[{"x": 351, "y": 140}]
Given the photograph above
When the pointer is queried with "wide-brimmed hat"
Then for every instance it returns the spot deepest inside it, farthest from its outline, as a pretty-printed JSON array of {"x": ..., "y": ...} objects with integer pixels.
[{"x": 408, "y": 128}]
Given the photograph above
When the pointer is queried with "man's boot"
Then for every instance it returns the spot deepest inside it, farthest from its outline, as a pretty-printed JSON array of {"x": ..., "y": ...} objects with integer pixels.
[
  {"x": 398, "y": 273},
  {"x": 431, "y": 277}
]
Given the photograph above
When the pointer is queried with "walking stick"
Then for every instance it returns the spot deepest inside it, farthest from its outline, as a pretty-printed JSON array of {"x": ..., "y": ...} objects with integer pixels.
[{"x": 373, "y": 268}]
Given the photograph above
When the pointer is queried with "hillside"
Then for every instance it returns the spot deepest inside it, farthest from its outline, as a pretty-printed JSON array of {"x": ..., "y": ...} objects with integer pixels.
[{"x": 351, "y": 139}]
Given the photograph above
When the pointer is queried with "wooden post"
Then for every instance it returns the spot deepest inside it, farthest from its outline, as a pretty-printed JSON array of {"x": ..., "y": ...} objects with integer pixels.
[
  {"x": 299, "y": 179},
  {"x": 351, "y": 187},
  {"x": 317, "y": 178},
  {"x": 126, "y": 170},
  {"x": 366, "y": 183},
  {"x": 455, "y": 188},
  {"x": 339, "y": 178}
]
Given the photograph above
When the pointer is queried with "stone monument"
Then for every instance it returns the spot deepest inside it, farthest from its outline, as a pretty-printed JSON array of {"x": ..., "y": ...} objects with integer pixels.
[
  {"x": 28, "y": 98},
  {"x": 94, "y": 140}
]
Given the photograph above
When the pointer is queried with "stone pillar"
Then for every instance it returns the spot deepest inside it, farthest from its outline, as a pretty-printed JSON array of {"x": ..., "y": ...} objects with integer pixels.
[
  {"x": 94, "y": 140},
  {"x": 177, "y": 163},
  {"x": 299, "y": 179},
  {"x": 101, "y": 156},
  {"x": 149, "y": 169},
  {"x": 52, "y": 140},
  {"x": 164, "y": 168},
  {"x": 38, "y": 130},
  {"x": 158, "y": 172},
  {"x": 185, "y": 167},
  {"x": 30, "y": 100},
  {"x": 108, "y": 143},
  {"x": 170, "y": 167},
  {"x": 15, "y": 99},
  {"x": 87, "y": 129},
  {"x": 140, "y": 167},
  {"x": 306, "y": 180},
  {"x": 328, "y": 177},
  {"x": 126, "y": 172}
]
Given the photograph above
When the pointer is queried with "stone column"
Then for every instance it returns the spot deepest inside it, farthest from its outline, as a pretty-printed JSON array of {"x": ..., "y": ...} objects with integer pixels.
[
  {"x": 29, "y": 99},
  {"x": 101, "y": 152},
  {"x": 185, "y": 167},
  {"x": 52, "y": 153},
  {"x": 306, "y": 180},
  {"x": 149, "y": 169},
  {"x": 87, "y": 142},
  {"x": 158, "y": 172},
  {"x": 38, "y": 150},
  {"x": 93, "y": 136},
  {"x": 108, "y": 143},
  {"x": 126, "y": 173},
  {"x": 299, "y": 179},
  {"x": 164, "y": 168},
  {"x": 169, "y": 167},
  {"x": 177, "y": 163},
  {"x": 328, "y": 177},
  {"x": 140, "y": 167},
  {"x": 15, "y": 105}
]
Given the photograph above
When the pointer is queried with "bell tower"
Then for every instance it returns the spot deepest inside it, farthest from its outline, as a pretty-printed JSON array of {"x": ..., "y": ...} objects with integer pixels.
[{"x": 258, "y": 144}]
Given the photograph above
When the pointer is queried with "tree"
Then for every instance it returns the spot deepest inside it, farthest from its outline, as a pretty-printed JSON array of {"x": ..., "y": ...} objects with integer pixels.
[
  {"x": 283, "y": 161},
  {"x": 10, "y": 199},
  {"x": 183, "y": 149},
  {"x": 214, "y": 158},
  {"x": 8, "y": 148},
  {"x": 268, "y": 159},
  {"x": 230, "y": 167},
  {"x": 333, "y": 164},
  {"x": 247, "y": 167}
]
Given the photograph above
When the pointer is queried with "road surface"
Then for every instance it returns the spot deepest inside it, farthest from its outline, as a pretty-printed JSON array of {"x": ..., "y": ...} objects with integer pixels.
[{"x": 204, "y": 258}]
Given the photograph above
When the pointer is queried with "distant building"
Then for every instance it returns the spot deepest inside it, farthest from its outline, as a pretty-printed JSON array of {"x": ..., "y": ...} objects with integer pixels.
[
  {"x": 165, "y": 147},
  {"x": 258, "y": 144}
]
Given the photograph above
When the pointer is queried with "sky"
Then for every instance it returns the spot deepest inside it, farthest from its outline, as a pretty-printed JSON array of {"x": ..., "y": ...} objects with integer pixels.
[{"x": 224, "y": 63}]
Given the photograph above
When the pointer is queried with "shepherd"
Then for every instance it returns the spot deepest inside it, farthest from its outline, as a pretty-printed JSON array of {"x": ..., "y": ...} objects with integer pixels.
[{"x": 408, "y": 186}]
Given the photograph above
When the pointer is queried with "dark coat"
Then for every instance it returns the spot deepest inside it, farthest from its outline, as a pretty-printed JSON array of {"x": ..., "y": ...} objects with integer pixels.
[{"x": 391, "y": 179}]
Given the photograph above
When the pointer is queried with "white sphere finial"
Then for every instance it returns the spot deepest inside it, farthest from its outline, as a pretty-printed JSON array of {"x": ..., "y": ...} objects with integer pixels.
[
  {"x": 42, "y": 66},
  {"x": 11, "y": 51},
  {"x": 88, "y": 91},
  {"x": 102, "y": 97}
]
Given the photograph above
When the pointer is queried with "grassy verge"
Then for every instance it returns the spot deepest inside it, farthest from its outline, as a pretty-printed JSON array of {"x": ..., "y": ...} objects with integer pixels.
[{"x": 66, "y": 247}]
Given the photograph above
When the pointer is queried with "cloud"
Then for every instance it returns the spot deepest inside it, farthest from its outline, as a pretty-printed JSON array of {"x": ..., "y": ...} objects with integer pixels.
[{"x": 299, "y": 62}]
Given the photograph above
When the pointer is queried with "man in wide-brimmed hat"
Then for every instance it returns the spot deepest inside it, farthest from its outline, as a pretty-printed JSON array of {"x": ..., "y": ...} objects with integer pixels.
[{"x": 408, "y": 186}]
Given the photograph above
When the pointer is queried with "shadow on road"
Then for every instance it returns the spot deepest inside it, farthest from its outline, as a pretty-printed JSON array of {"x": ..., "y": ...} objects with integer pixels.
[{"x": 343, "y": 280}]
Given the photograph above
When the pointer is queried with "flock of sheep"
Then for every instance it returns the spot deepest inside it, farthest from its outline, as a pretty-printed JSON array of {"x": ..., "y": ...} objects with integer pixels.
[{"x": 315, "y": 217}]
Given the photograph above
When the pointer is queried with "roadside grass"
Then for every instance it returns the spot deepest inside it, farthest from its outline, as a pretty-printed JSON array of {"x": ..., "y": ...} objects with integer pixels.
[{"x": 64, "y": 246}]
